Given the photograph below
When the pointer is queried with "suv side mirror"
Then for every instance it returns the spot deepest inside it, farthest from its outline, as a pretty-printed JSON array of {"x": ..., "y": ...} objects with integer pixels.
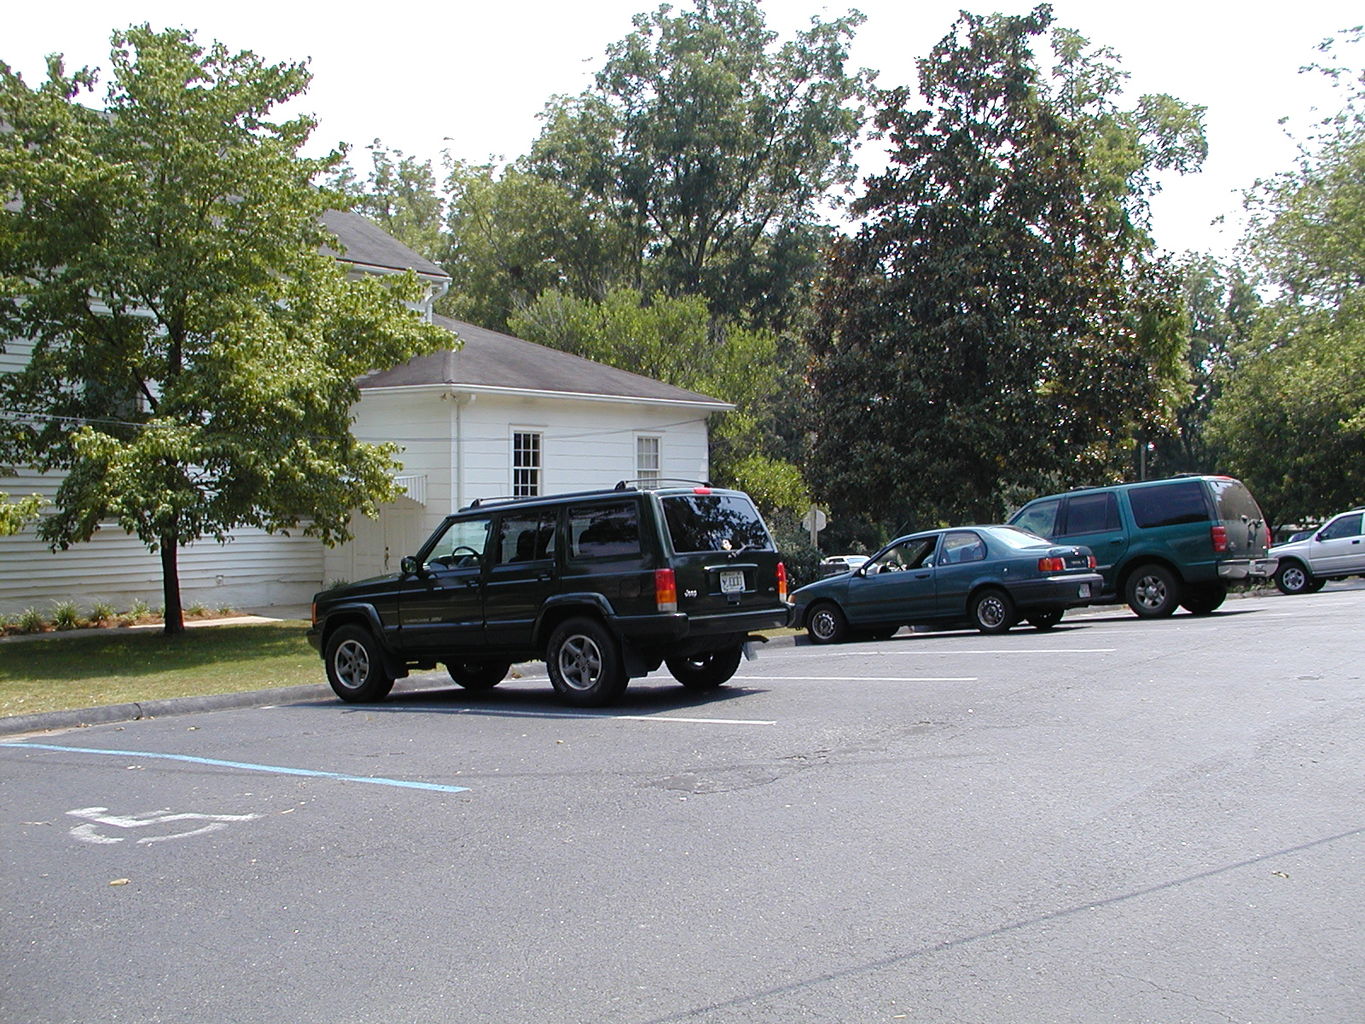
[{"x": 409, "y": 565}]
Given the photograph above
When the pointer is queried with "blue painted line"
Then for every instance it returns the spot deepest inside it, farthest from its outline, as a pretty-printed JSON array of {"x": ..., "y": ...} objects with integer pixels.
[{"x": 276, "y": 769}]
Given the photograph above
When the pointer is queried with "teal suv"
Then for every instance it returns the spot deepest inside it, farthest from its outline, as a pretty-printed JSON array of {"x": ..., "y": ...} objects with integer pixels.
[
  {"x": 1161, "y": 544},
  {"x": 603, "y": 585}
]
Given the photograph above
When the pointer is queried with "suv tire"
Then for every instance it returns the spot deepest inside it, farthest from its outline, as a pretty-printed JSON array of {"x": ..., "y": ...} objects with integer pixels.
[
  {"x": 1153, "y": 592},
  {"x": 355, "y": 666},
  {"x": 478, "y": 675},
  {"x": 706, "y": 671},
  {"x": 1293, "y": 578},
  {"x": 585, "y": 663}
]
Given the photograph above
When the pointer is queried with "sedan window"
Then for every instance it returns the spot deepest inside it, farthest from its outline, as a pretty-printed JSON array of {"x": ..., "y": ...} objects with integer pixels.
[
  {"x": 1346, "y": 526},
  {"x": 910, "y": 554},
  {"x": 963, "y": 547}
]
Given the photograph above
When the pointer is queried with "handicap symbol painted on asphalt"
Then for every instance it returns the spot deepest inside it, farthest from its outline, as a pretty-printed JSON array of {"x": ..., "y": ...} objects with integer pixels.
[{"x": 92, "y": 832}]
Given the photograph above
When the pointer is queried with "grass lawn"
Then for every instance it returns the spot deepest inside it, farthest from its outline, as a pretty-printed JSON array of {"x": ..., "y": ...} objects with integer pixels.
[{"x": 119, "y": 666}]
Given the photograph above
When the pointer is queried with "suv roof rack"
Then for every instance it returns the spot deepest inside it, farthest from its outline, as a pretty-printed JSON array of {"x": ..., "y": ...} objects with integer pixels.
[
  {"x": 516, "y": 499},
  {"x": 640, "y": 485}
]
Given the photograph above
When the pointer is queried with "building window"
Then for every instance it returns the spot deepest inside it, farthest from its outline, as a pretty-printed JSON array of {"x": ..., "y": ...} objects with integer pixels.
[
  {"x": 647, "y": 461},
  {"x": 525, "y": 465}
]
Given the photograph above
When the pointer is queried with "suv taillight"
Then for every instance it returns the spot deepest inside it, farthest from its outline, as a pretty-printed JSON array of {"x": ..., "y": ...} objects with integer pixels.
[
  {"x": 1269, "y": 539},
  {"x": 1092, "y": 562},
  {"x": 665, "y": 590},
  {"x": 315, "y": 613},
  {"x": 781, "y": 581},
  {"x": 1052, "y": 565},
  {"x": 1220, "y": 538}
]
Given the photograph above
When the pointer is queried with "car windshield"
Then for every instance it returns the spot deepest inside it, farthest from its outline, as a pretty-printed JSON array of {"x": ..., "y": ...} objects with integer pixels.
[
  {"x": 1014, "y": 537},
  {"x": 714, "y": 522}
]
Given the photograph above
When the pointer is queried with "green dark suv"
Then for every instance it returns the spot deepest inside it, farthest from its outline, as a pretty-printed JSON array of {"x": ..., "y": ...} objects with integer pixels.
[
  {"x": 1161, "y": 543},
  {"x": 603, "y": 585}
]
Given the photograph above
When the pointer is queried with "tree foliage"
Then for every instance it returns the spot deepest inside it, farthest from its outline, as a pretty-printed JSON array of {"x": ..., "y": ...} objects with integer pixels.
[
  {"x": 998, "y": 321},
  {"x": 399, "y": 194},
  {"x": 704, "y": 153},
  {"x": 15, "y": 515},
  {"x": 1292, "y": 419},
  {"x": 194, "y": 353},
  {"x": 676, "y": 341}
]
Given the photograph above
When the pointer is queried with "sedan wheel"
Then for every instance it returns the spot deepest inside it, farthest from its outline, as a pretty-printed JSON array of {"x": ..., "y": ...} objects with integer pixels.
[
  {"x": 1045, "y": 620},
  {"x": 992, "y": 611},
  {"x": 826, "y": 624},
  {"x": 1293, "y": 578}
]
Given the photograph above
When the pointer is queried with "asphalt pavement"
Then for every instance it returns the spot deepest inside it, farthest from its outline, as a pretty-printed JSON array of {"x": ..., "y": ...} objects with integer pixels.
[{"x": 1115, "y": 821}]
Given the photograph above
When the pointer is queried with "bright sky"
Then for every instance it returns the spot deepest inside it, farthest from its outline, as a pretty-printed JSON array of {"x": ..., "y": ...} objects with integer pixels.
[{"x": 470, "y": 77}]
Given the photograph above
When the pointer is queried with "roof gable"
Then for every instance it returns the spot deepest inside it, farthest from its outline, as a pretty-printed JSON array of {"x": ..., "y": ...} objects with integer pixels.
[{"x": 366, "y": 244}]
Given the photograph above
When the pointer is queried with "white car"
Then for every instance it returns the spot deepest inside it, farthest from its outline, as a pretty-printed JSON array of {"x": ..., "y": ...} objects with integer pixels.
[
  {"x": 832, "y": 565},
  {"x": 1335, "y": 551}
]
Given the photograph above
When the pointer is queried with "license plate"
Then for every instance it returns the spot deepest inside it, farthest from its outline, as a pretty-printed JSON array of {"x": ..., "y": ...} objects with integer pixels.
[
  {"x": 1084, "y": 590},
  {"x": 731, "y": 581}
]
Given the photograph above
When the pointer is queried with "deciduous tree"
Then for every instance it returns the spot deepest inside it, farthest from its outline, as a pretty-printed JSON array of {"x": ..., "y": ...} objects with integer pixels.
[
  {"x": 1292, "y": 419},
  {"x": 997, "y": 323},
  {"x": 194, "y": 354}
]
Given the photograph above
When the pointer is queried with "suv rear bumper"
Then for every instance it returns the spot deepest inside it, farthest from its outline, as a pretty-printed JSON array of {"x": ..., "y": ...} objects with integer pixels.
[{"x": 1244, "y": 568}]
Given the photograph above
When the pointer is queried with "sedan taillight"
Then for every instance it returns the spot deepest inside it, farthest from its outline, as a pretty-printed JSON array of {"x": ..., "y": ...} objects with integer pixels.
[
  {"x": 1052, "y": 565},
  {"x": 665, "y": 590}
]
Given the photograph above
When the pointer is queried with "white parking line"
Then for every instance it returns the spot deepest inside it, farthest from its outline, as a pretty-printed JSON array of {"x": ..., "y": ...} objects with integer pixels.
[
  {"x": 860, "y": 679},
  {"x": 952, "y": 650}
]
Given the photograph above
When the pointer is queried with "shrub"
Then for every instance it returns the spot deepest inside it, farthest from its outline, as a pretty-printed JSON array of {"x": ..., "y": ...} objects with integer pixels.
[
  {"x": 65, "y": 615},
  {"x": 101, "y": 612},
  {"x": 31, "y": 621},
  {"x": 197, "y": 610}
]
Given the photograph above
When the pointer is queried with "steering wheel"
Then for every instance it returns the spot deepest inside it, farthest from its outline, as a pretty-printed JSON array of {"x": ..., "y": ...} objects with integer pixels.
[{"x": 459, "y": 556}]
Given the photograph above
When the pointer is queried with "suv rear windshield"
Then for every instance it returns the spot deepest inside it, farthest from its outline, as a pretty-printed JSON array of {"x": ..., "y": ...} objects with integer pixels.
[
  {"x": 1169, "y": 504},
  {"x": 1234, "y": 501},
  {"x": 714, "y": 522}
]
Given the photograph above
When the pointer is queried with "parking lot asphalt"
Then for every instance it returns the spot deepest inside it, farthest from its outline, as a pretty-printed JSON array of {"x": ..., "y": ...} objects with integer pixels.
[
  {"x": 1116, "y": 821},
  {"x": 133, "y": 711}
]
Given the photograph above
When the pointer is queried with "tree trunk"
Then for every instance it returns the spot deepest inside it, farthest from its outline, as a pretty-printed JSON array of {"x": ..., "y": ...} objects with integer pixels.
[{"x": 170, "y": 584}]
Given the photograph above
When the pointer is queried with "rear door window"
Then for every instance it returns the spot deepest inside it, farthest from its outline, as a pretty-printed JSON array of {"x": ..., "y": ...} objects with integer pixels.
[
  {"x": 714, "y": 522},
  {"x": 1169, "y": 504},
  {"x": 604, "y": 531},
  {"x": 1091, "y": 513}
]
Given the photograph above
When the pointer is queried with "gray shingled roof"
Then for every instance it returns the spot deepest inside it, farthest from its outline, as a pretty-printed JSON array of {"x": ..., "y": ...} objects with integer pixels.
[
  {"x": 489, "y": 360},
  {"x": 367, "y": 244}
]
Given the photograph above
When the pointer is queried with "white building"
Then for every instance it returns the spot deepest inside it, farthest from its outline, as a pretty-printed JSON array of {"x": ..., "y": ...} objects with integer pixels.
[{"x": 497, "y": 416}]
